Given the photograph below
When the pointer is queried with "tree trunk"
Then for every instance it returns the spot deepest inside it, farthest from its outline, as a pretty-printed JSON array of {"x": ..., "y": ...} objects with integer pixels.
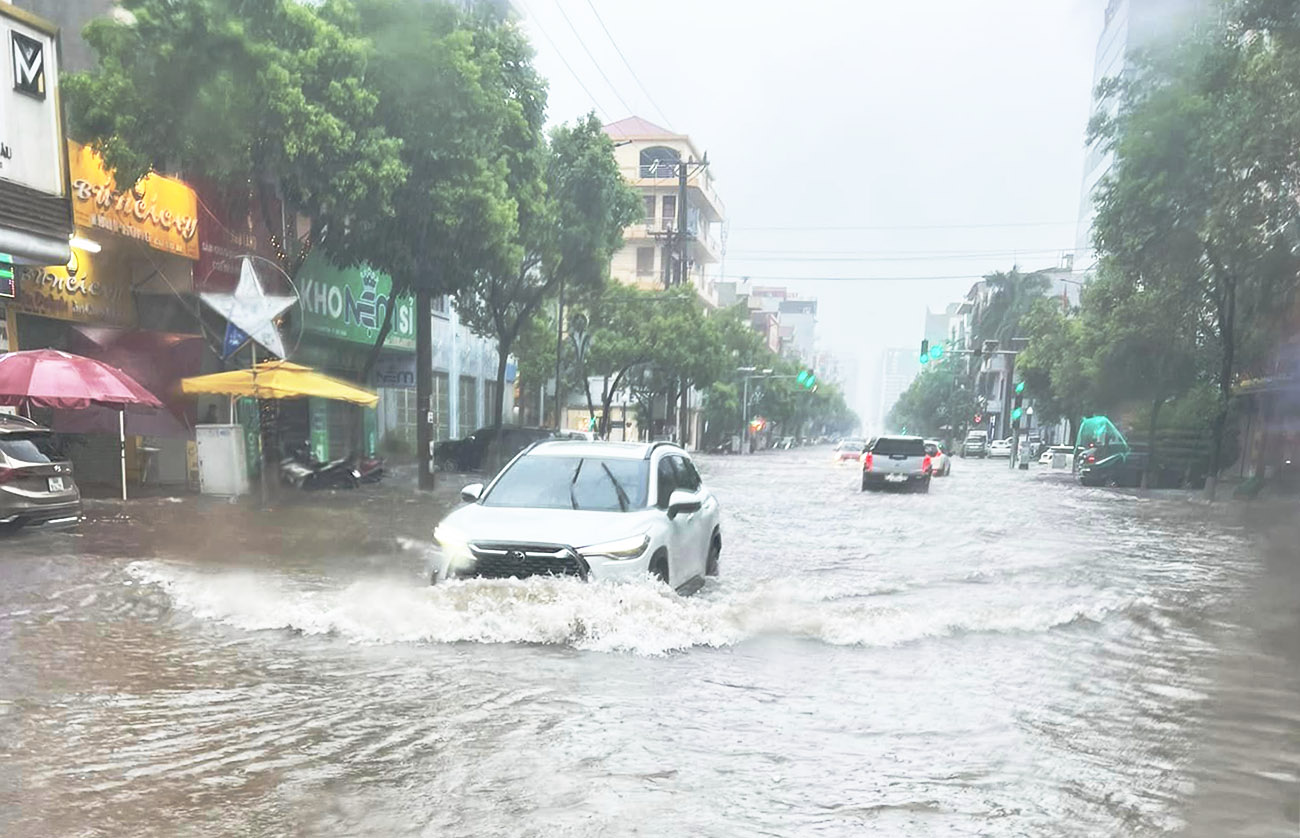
[
  {"x": 384, "y": 329},
  {"x": 684, "y": 415},
  {"x": 1227, "y": 333},
  {"x": 424, "y": 387},
  {"x": 1147, "y": 472},
  {"x": 591, "y": 407},
  {"x": 499, "y": 399}
]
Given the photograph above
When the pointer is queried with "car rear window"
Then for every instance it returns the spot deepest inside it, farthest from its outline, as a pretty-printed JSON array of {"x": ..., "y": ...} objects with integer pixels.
[
  {"x": 35, "y": 449},
  {"x": 907, "y": 447},
  {"x": 931, "y": 449}
]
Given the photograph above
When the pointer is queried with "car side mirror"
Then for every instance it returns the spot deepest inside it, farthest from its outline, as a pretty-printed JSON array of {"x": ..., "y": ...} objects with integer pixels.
[
  {"x": 683, "y": 501},
  {"x": 472, "y": 492}
]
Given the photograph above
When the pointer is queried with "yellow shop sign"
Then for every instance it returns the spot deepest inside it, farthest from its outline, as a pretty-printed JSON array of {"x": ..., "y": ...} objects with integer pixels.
[
  {"x": 160, "y": 211},
  {"x": 76, "y": 292}
]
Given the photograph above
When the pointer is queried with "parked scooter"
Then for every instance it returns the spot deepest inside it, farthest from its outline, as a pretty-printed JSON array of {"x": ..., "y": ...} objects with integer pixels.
[
  {"x": 368, "y": 469},
  {"x": 303, "y": 471}
]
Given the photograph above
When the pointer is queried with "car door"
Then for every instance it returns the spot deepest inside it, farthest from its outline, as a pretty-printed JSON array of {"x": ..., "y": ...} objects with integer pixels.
[
  {"x": 697, "y": 526},
  {"x": 678, "y": 528}
]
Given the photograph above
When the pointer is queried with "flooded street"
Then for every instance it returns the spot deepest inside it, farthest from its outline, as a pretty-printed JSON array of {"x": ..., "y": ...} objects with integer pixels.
[{"x": 1010, "y": 654}]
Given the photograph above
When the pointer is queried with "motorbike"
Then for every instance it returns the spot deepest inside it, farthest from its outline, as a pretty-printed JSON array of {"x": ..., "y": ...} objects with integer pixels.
[
  {"x": 301, "y": 470},
  {"x": 369, "y": 469}
]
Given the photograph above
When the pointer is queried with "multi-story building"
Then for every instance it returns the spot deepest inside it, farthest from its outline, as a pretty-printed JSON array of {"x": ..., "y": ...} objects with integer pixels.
[
  {"x": 800, "y": 318},
  {"x": 652, "y": 159},
  {"x": 898, "y": 368},
  {"x": 1130, "y": 25}
]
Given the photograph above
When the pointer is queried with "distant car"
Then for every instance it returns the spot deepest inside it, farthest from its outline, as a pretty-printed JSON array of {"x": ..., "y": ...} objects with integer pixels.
[
  {"x": 1058, "y": 457},
  {"x": 487, "y": 448},
  {"x": 599, "y": 511},
  {"x": 897, "y": 461},
  {"x": 36, "y": 485},
  {"x": 976, "y": 444},
  {"x": 849, "y": 450},
  {"x": 940, "y": 462},
  {"x": 1000, "y": 448}
]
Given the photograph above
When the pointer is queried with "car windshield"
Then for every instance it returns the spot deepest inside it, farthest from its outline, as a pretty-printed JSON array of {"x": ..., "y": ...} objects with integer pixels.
[
  {"x": 596, "y": 484},
  {"x": 898, "y": 446}
]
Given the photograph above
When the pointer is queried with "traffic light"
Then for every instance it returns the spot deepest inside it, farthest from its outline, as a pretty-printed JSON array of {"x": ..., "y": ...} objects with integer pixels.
[
  {"x": 807, "y": 379},
  {"x": 925, "y": 351},
  {"x": 936, "y": 352},
  {"x": 1016, "y": 410}
]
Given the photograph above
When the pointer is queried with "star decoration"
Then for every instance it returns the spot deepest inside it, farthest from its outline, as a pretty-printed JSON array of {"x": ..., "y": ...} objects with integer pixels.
[{"x": 251, "y": 310}]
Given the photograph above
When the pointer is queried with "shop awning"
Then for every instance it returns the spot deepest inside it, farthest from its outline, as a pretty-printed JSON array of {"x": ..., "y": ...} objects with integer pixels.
[{"x": 278, "y": 380}]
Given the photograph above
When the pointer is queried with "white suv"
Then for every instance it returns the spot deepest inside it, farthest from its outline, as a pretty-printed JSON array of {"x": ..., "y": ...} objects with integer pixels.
[{"x": 595, "y": 510}]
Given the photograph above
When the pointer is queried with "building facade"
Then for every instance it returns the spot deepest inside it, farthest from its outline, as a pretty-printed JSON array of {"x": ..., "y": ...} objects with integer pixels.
[
  {"x": 652, "y": 158},
  {"x": 898, "y": 368}
]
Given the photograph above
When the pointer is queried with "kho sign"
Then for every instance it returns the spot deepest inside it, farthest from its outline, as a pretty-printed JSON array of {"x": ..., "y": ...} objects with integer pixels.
[{"x": 160, "y": 211}]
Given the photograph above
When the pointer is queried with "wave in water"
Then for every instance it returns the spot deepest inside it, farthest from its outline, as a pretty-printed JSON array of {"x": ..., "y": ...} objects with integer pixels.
[{"x": 642, "y": 619}]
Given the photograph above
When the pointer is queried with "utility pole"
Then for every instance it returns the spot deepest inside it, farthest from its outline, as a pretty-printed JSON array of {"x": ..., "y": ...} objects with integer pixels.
[
  {"x": 559, "y": 354},
  {"x": 681, "y": 223}
]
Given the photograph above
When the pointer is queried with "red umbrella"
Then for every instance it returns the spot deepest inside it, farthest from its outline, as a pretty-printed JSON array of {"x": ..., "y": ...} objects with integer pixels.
[{"x": 50, "y": 378}]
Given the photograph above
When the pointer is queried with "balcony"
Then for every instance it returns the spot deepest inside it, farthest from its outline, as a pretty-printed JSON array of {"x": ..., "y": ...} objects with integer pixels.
[
  {"x": 699, "y": 185},
  {"x": 705, "y": 247}
]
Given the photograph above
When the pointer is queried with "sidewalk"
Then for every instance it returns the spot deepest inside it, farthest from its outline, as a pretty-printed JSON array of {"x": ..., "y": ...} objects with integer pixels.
[{"x": 375, "y": 518}]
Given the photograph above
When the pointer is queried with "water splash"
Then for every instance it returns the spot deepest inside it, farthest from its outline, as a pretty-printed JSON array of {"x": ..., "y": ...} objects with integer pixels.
[{"x": 644, "y": 619}]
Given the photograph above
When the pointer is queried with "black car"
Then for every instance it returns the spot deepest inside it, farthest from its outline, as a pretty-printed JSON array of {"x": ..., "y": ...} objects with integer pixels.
[{"x": 487, "y": 448}]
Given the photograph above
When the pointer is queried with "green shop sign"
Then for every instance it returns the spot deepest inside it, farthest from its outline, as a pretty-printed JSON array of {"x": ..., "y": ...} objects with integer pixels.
[{"x": 350, "y": 304}]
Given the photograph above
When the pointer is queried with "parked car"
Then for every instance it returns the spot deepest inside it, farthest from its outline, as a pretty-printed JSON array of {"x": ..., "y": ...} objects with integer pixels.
[
  {"x": 849, "y": 450},
  {"x": 1000, "y": 448},
  {"x": 940, "y": 462},
  {"x": 898, "y": 461},
  {"x": 594, "y": 510},
  {"x": 487, "y": 448},
  {"x": 976, "y": 444},
  {"x": 36, "y": 485},
  {"x": 1057, "y": 456}
]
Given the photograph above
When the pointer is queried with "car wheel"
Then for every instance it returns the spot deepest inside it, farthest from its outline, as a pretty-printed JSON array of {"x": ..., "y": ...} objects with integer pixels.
[
  {"x": 715, "y": 553},
  {"x": 659, "y": 567}
]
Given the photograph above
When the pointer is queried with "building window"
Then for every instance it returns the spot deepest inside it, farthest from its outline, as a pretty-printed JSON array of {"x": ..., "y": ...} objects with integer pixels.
[
  {"x": 645, "y": 261},
  {"x": 467, "y": 409},
  {"x": 490, "y": 401},
  {"x": 659, "y": 162},
  {"x": 670, "y": 211},
  {"x": 649, "y": 210},
  {"x": 440, "y": 305},
  {"x": 441, "y": 407}
]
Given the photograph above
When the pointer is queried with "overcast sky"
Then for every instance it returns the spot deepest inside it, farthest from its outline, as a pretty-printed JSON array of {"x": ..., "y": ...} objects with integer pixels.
[{"x": 942, "y": 139}]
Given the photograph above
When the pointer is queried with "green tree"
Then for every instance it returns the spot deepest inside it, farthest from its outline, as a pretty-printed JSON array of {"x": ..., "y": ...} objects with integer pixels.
[
  {"x": 573, "y": 204},
  {"x": 268, "y": 100},
  {"x": 1202, "y": 193},
  {"x": 940, "y": 402},
  {"x": 1012, "y": 294},
  {"x": 1058, "y": 364}
]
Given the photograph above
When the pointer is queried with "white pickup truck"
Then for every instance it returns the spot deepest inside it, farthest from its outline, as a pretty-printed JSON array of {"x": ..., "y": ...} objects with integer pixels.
[{"x": 897, "y": 461}]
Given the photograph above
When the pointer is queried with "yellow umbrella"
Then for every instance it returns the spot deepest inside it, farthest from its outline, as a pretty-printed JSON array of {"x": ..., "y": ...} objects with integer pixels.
[{"x": 278, "y": 380}]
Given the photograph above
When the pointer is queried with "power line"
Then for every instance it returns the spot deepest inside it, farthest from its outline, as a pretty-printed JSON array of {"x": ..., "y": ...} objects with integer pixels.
[
  {"x": 916, "y": 258},
  {"x": 815, "y": 227},
  {"x": 667, "y": 122},
  {"x": 963, "y": 252},
  {"x": 538, "y": 23},
  {"x": 594, "y": 62},
  {"x": 750, "y": 277}
]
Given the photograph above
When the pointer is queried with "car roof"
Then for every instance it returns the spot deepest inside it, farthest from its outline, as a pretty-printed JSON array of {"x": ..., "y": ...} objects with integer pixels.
[
  {"x": 13, "y": 425},
  {"x": 899, "y": 436},
  {"x": 597, "y": 448}
]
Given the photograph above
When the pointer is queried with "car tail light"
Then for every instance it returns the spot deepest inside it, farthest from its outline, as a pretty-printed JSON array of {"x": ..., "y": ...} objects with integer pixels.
[
  {"x": 866, "y": 461},
  {"x": 926, "y": 463},
  {"x": 8, "y": 474},
  {"x": 1092, "y": 459}
]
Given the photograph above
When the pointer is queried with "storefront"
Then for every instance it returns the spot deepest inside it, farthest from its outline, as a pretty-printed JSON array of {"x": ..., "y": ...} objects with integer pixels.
[
  {"x": 342, "y": 313},
  {"x": 134, "y": 248},
  {"x": 35, "y": 222}
]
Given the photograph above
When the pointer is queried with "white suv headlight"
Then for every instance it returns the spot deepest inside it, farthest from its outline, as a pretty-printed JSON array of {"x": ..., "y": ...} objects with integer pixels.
[
  {"x": 454, "y": 546},
  {"x": 620, "y": 550}
]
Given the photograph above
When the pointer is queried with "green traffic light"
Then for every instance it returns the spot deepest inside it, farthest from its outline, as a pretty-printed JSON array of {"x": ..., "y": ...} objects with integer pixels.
[
  {"x": 925, "y": 359},
  {"x": 1016, "y": 414},
  {"x": 810, "y": 381},
  {"x": 936, "y": 352},
  {"x": 802, "y": 377},
  {"x": 1020, "y": 387}
]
